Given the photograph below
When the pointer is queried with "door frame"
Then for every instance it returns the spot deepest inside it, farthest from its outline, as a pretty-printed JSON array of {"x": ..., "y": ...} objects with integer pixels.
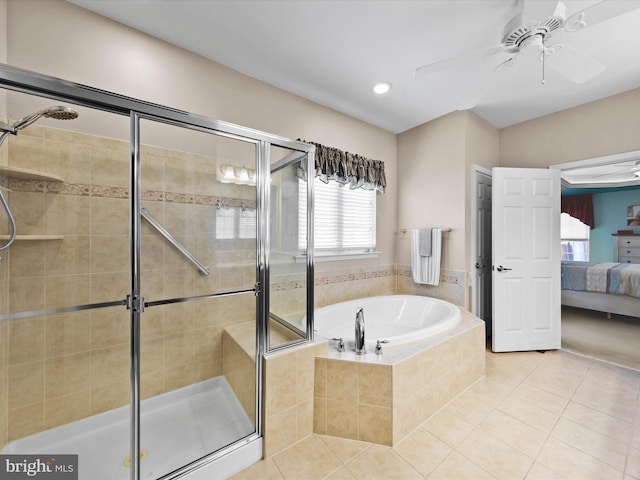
[{"x": 474, "y": 237}]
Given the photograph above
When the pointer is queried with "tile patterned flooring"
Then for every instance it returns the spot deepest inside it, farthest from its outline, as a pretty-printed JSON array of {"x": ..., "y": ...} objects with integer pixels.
[{"x": 534, "y": 416}]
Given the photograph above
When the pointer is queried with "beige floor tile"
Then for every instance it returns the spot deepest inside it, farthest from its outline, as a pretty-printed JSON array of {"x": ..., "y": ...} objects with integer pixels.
[
  {"x": 528, "y": 413},
  {"x": 600, "y": 422},
  {"x": 610, "y": 373},
  {"x": 476, "y": 402},
  {"x": 422, "y": 450},
  {"x": 541, "y": 398},
  {"x": 505, "y": 373},
  {"x": 566, "y": 362},
  {"x": 344, "y": 448},
  {"x": 574, "y": 464},
  {"x": 526, "y": 360},
  {"x": 340, "y": 474},
  {"x": 539, "y": 472},
  {"x": 494, "y": 456},
  {"x": 606, "y": 402},
  {"x": 632, "y": 468},
  {"x": 557, "y": 381},
  {"x": 635, "y": 436},
  {"x": 609, "y": 383},
  {"x": 379, "y": 462},
  {"x": 457, "y": 467},
  {"x": 450, "y": 428},
  {"x": 524, "y": 438},
  {"x": 310, "y": 459},
  {"x": 603, "y": 448},
  {"x": 264, "y": 470}
]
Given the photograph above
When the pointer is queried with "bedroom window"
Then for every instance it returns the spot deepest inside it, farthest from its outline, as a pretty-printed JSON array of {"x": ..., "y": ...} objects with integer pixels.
[
  {"x": 344, "y": 220},
  {"x": 574, "y": 239}
]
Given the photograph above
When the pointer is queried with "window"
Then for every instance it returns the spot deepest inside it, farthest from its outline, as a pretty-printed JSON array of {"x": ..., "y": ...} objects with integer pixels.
[
  {"x": 574, "y": 239},
  {"x": 233, "y": 222},
  {"x": 344, "y": 219}
]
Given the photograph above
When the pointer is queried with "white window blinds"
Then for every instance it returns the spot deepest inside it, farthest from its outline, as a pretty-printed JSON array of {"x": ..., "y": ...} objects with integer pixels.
[{"x": 344, "y": 219}]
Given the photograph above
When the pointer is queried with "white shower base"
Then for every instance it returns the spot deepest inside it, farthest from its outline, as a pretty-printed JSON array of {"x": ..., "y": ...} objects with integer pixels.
[{"x": 177, "y": 428}]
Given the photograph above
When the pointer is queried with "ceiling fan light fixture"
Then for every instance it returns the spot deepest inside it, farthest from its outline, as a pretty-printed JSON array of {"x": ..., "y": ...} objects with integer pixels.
[{"x": 381, "y": 88}]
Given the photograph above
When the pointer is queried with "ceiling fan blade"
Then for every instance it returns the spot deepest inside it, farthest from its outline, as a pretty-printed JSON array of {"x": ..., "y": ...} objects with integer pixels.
[
  {"x": 574, "y": 64},
  {"x": 599, "y": 12},
  {"x": 540, "y": 9},
  {"x": 475, "y": 94},
  {"x": 452, "y": 63}
]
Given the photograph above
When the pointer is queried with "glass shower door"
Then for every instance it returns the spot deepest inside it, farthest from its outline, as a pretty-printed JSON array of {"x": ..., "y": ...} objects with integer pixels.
[
  {"x": 197, "y": 279},
  {"x": 64, "y": 326}
]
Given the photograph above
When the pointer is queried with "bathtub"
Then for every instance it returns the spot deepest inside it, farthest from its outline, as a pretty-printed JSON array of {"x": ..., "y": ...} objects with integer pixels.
[{"x": 397, "y": 319}]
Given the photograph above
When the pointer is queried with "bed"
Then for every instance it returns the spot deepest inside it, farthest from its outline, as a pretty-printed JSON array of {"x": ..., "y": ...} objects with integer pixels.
[{"x": 606, "y": 287}]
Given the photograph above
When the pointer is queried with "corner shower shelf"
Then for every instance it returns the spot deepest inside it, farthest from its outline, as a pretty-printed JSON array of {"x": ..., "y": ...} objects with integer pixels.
[
  {"x": 34, "y": 237},
  {"x": 24, "y": 174}
]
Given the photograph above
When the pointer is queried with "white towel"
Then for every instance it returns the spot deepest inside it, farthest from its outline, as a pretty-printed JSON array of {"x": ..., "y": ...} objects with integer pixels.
[
  {"x": 424, "y": 243},
  {"x": 426, "y": 270}
]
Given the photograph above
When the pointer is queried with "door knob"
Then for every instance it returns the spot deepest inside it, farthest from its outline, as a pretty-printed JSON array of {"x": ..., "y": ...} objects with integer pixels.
[{"x": 503, "y": 269}]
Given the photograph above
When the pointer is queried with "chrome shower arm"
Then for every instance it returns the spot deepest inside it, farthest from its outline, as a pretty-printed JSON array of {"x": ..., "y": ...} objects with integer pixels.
[
  {"x": 12, "y": 222},
  {"x": 7, "y": 129}
]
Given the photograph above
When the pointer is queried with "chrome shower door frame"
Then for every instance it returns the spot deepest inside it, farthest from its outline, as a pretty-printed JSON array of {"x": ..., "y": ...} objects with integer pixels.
[{"x": 33, "y": 83}]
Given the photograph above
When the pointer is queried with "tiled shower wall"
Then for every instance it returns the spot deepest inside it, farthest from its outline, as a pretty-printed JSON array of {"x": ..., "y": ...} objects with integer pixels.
[
  {"x": 4, "y": 300},
  {"x": 63, "y": 367}
]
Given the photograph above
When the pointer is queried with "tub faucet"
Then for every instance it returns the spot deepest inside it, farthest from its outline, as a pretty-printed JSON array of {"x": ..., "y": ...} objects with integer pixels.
[{"x": 359, "y": 346}]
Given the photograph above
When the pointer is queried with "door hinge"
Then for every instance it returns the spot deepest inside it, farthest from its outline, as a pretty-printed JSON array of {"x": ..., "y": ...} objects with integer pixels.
[
  {"x": 256, "y": 288},
  {"x": 135, "y": 303}
]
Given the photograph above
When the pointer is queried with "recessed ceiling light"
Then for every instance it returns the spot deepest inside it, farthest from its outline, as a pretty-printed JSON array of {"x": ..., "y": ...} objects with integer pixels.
[{"x": 381, "y": 87}]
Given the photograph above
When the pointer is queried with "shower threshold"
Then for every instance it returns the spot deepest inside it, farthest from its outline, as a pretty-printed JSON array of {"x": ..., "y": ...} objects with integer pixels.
[{"x": 177, "y": 428}]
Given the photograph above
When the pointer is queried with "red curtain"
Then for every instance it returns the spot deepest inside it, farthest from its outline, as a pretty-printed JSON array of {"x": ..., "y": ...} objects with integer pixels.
[{"x": 580, "y": 207}]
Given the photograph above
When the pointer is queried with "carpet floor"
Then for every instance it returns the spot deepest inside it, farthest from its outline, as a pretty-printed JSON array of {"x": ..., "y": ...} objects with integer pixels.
[{"x": 590, "y": 333}]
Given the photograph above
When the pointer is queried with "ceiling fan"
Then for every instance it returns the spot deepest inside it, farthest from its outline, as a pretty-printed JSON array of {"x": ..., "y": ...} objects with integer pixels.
[
  {"x": 624, "y": 168},
  {"x": 530, "y": 32}
]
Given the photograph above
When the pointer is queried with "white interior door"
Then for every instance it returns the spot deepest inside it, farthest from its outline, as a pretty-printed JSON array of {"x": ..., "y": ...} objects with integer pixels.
[
  {"x": 526, "y": 259},
  {"x": 482, "y": 248}
]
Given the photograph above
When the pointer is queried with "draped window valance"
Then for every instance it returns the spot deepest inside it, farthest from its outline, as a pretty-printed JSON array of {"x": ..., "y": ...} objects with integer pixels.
[
  {"x": 580, "y": 207},
  {"x": 349, "y": 169}
]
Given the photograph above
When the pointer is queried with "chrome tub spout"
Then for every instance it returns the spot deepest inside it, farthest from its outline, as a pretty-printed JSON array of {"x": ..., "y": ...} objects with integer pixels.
[{"x": 359, "y": 345}]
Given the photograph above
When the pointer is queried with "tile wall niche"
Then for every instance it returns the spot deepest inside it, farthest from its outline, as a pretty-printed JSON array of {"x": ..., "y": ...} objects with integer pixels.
[{"x": 64, "y": 367}]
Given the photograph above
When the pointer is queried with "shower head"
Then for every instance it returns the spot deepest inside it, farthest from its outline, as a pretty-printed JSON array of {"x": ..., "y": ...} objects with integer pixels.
[
  {"x": 56, "y": 112},
  {"x": 59, "y": 112}
]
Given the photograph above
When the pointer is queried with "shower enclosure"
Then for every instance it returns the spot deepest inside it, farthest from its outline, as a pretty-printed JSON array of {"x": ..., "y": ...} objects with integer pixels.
[{"x": 155, "y": 262}]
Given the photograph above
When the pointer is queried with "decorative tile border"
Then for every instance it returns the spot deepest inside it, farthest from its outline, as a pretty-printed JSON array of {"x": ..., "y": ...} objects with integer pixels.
[
  {"x": 81, "y": 189},
  {"x": 341, "y": 276}
]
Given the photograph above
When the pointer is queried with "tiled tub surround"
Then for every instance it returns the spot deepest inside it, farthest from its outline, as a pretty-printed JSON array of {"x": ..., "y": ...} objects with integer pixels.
[
  {"x": 382, "y": 398},
  {"x": 64, "y": 367}
]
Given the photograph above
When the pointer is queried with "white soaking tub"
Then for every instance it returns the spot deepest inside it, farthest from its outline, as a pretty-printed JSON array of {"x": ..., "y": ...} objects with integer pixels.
[{"x": 396, "y": 319}]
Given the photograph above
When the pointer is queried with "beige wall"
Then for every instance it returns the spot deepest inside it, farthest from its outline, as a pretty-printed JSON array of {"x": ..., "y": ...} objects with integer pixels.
[
  {"x": 431, "y": 189},
  {"x": 435, "y": 187},
  {"x": 603, "y": 127}
]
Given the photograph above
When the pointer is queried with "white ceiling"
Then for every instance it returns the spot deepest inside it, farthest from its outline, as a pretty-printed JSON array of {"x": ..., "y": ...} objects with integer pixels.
[{"x": 333, "y": 51}]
